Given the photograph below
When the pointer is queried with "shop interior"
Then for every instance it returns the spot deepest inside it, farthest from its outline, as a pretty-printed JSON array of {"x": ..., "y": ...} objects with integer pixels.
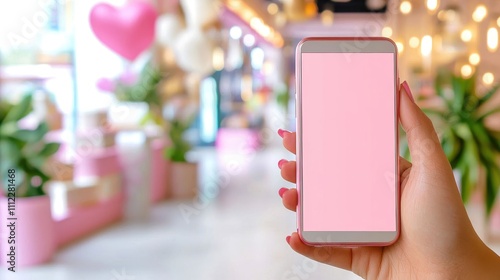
[{"x": 142, "y": 136}]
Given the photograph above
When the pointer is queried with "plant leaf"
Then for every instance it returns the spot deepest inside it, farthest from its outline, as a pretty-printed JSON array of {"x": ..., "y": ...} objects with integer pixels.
[
  {"x": 459, "y": 93},
  {"x": 488, "y": 95},
  {"x": 31, "y": 136},
  {"x": 49, "y": 149},
  {"x": 9, "y": 151},
  {"x": 20, "y": 110},
  {"x": 492, "y": 187}
]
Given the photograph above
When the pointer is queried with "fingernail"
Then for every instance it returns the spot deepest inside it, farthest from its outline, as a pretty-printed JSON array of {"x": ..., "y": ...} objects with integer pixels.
[
  {"x": 282, "y": 191},
  {"x": 408, "y": 91},
  {"x": 281, "y": 162},
  {"x": 288, "y": 239},
  {"x": 281, "y": 132}
]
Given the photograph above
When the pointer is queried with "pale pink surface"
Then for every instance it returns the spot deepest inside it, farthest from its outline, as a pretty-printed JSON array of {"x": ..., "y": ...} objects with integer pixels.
[
  {"x": 348, "y": 157},
  {"x": 159, "y": 163}
]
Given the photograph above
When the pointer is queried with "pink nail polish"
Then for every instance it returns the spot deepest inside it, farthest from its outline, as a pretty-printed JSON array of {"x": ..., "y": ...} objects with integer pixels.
[
  {"x": 288, "y": 239},
  {"x": 408, "y": 91},
  {"x": 281, "y": 162},
  {"x": 282, "y": 191},
  {"x": 281, "y": 132}
]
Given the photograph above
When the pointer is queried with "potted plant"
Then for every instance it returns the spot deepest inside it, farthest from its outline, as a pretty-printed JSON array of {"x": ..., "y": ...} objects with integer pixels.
[
  {"x": 183, "y": 176},
  {"x": 23, "y": 156},
  {"x": 138, "y": 89},
  {"x": 472, "y": 147}
]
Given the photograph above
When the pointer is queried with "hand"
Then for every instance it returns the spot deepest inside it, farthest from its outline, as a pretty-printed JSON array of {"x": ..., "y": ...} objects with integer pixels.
[{"x": 437, "y": 240}]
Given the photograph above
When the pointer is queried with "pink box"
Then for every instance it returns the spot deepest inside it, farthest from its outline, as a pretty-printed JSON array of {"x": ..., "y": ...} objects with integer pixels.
[
  {"x": 98, "y": 163},
  {"x": 235, "y": 139},
  {"x": 83, "y": 221}
]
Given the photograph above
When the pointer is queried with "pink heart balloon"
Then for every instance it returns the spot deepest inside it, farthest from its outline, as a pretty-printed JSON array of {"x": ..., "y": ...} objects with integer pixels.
[{"x": 128, "y": 31}]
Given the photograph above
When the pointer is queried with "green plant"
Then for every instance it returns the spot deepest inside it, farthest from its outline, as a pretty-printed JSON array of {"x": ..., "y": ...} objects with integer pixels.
[
  {"x": 466, "y": 140},
  {"x": 144, "y": 90},
  {"x": 180, "y": 147},
  {"x": 23, "y": 150}
]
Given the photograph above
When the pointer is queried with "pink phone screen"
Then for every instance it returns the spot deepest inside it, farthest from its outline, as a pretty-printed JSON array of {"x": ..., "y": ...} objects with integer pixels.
[{"x": 348, "y": 142}]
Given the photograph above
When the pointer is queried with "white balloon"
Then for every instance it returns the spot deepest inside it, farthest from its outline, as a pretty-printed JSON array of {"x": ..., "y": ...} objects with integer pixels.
[
  {"x": 200, "y": 12},
  {"x": 168, "y": 28},
  {"x": 194, "y": 52}
]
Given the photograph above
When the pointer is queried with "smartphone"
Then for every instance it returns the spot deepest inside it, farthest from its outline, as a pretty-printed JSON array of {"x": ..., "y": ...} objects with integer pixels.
[{"x": 347, "y": 141}]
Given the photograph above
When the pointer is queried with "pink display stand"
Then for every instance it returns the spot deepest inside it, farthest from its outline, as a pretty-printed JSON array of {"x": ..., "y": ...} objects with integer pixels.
[
  {"x": 159, "y": 165},
  {"x": 33, "y": 232},
  {"x": 86, "y": 220},
  {"x": 236, "y": 139},
  {"x": 98, "y": 163}
]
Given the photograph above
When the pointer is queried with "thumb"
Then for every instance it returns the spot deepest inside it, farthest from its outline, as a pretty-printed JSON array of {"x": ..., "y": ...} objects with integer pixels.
[{"x": 423, "y": 142}]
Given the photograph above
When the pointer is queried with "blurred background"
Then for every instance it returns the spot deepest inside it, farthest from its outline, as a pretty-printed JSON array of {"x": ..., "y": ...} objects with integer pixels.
[{"x": 140, "y": 137}]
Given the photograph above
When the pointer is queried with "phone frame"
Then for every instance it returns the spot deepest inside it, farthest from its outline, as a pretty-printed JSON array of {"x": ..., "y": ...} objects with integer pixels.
[{"x": 345, "y": 45}]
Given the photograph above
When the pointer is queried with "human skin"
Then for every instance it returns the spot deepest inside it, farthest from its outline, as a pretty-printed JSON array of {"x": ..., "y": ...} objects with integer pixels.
[{"x": 437, "y": 240}]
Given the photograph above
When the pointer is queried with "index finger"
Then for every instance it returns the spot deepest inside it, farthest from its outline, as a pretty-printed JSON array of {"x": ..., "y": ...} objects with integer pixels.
[{"x": 289, "y": 141}]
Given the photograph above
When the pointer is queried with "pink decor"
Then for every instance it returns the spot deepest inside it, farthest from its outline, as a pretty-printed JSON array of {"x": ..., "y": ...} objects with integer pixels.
[
  {"x": 159, "y": 167},
  {"x": 237, "y": 139},
  {"x": 99, "y": 162},
  {"x": 106, "y": 84},
  {"x": 34, "y": 231},
  {"x": 85, "y": 220},
  {"x": 128, "y": 31}
]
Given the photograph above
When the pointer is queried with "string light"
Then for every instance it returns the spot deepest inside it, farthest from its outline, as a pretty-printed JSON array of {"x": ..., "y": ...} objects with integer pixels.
[
  {"x": 488, "y": 78},
  {"x": 400, "y": 46},
  {"x": 414, "y": 42},
  {"x": 272, "y": 8},
  {"x": 466, "y": 70},
  {"x": 249, "y": 40},
  {"x": 235, "y": 32},
  {"x": 492, "y": 39},
  {"x": 479, "y": 13},
  {"x": 474, "y": 59},
  {"x": 218, "y": 59},
  {"x": 426, "y": 45},
  {"x": 327, "y": 17},
  {"x": 466, "y": 35},
  {"x": 405, "y": 7},
  {"x": 432, "y": 5},
  {"x": 387, "y": 31}
]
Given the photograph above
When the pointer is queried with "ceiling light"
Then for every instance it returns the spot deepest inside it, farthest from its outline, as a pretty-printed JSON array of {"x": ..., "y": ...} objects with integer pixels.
[
  {"x": 426, "y": 45},
  {"x": 492, "y": 39},
  {"x": 479, "y": 13},
  {"x": 414, "y": 42},
  {"x": 273, "y": 8},
  {"x": 466, "y": 35},
  {"x": 488, "y": 78},
  {"x": 432, "y": 5},
  {"x": 387, "y": 31},
  {"x": 466, "y": 71},
  {"x": 405, "y": 7},
  {"x": 249, "y": 40},
  {"x": 474, "y": 59}
]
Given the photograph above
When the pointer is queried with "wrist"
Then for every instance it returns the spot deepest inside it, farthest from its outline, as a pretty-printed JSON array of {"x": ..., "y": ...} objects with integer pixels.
[{"x": 483, "y": 265}]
